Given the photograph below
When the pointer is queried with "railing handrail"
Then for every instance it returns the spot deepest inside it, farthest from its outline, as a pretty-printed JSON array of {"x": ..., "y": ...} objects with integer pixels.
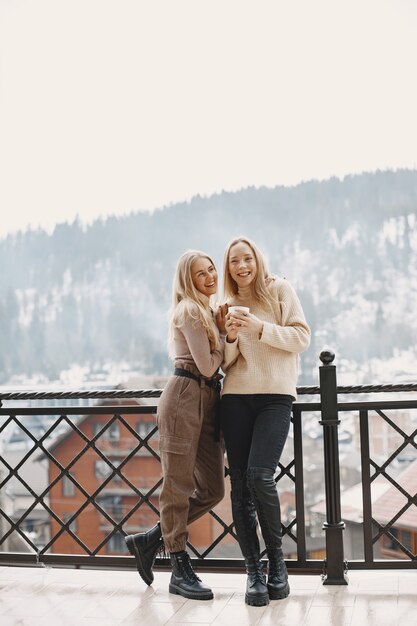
[{"x": 155, "y": 393}]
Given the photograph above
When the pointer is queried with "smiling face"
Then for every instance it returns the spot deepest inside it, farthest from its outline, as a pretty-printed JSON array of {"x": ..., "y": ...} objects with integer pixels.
[
  {"x": 204, "y": 276},
  {"x": 242, "y": 264}
]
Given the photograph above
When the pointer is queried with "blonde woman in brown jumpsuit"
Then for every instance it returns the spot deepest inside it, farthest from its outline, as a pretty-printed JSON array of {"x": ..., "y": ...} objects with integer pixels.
[{"x": 192, "y": 460}]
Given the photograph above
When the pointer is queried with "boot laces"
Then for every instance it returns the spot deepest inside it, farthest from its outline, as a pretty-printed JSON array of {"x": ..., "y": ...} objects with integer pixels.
[
  {"x": 277, "y": 568},
  {"x": 256, "y": 577},
  {"x": 187, "y": 569}
]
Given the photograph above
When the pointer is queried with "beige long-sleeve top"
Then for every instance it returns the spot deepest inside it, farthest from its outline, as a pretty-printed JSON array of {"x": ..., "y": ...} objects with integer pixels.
[
  {"x": 192, "y": 346},
  {"x": 269, "y": 363}
]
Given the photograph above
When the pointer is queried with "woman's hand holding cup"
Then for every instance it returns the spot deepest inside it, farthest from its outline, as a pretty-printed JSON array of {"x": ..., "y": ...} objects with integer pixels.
[
  {"x": 241, "y": 319},
  {"x": 233, "y": 321}
]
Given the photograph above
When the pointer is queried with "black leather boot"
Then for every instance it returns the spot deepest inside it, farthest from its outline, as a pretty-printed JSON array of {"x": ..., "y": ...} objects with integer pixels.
[
  {"x": 244, "y": 518},
  {"x": 144, "y": 547},
  {"x": 278, "y": 586},
  {"x": 264, "y": 493},
  {"x": 184, "y": 581},
  {"x": 256, "y": 589}
]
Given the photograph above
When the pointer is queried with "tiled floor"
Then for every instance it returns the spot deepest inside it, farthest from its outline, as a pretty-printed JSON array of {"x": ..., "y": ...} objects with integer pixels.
[{"x": 46, "y": 596}]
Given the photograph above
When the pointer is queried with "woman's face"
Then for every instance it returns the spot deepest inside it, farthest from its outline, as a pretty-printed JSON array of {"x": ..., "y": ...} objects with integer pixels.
[
  {"x": 204, "y": 276},
  {"x": 242, "y": 264}
]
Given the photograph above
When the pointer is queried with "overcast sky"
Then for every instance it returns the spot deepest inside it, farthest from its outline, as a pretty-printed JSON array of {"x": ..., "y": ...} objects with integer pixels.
[{"x": 112, "y": 106}]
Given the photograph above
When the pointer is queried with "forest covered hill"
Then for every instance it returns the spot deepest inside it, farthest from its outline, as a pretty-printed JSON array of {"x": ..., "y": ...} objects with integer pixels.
[{"x": 98, "y": 294}]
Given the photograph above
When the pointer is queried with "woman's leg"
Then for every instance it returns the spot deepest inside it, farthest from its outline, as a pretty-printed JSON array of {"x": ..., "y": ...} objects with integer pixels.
[
  {"x": 179, "y": 424},
  {"x": 178, "y": 461},
  {"x": 178, "y": 445},
  {"x": 269, "y": 436},
  {"x": 145, "y": 546},
  {"x": 237, "y": 426},
  {"x": 189, "y": 486},
  {"x": 209, "y": 463},
  {"x": 208, "y": 490}
]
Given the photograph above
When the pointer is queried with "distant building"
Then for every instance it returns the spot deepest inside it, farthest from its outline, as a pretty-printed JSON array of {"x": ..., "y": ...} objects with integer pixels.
[
  {"x": 388, "y": 505},
  {"x": 16, "y": 501},
  {"x": 384, "y": 439},
  {"x": 387, "y": 501},
  {"x": 116, "y": 498}
]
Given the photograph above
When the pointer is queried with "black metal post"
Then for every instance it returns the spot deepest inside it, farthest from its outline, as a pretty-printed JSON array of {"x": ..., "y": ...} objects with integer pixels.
[{"x": 335, "y": 569}]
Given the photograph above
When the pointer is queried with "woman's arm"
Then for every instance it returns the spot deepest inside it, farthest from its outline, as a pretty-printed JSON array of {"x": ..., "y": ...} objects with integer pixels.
[
  {"x": 207, "y": 362},
  {"x": 231, "y": 353},
  {"x": 231, "y": 346},
  {"x": 293, "y": 334}
]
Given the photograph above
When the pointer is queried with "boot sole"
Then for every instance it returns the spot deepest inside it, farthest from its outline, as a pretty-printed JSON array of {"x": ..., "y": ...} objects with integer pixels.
[
  {"x": 189, "y": 594},
  {"x": 257, "y": 601},
  {"x": 278, "y": 594},
  {"x": 139, "y": 564}
]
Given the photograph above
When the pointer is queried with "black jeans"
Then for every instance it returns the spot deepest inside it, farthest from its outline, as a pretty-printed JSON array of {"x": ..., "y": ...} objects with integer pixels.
[{"x": 255, "y": 429}]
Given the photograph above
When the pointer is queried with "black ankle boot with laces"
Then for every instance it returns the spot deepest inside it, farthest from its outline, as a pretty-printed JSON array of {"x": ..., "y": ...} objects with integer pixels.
[
  {"x": 145, "y": 547},
  {"x": 278, "y": 586},
  {"x": 256, "y": 589},
  {"x": 184, "y": 581},
  {"x": 244, "y": 518}
]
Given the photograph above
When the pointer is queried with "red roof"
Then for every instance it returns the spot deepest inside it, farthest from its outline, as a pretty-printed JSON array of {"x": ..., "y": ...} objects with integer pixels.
[
  {"x": 387, "y": 501},
  {"x": 388, "y": 505}
]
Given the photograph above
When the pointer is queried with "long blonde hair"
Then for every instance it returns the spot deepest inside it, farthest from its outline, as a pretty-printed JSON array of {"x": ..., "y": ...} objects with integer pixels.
[
  {"x": 188, "y": 302},
  {"x": 259, "y": 285}
]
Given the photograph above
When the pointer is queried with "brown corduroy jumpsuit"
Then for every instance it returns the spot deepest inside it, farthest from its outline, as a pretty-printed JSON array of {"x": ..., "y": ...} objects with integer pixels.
[{"x": 192, "y": 461}]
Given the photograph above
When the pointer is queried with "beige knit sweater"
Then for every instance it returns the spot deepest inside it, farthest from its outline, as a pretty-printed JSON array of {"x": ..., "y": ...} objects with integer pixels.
[{"x": 268, "y": 364}]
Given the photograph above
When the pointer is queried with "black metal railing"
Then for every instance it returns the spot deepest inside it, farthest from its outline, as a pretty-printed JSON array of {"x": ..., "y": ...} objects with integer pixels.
[{"x": 122, "y": 499}]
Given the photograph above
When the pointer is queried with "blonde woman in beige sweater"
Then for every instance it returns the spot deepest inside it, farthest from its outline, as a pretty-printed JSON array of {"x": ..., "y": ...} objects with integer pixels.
[
  {"x": 192, "y": 460},
  {"x": 265, "y": 334}
]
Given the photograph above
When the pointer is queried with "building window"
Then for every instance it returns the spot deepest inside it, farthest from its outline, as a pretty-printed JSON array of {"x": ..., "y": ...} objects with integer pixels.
[
  {"x": 97, "y": 426},
  {"x": 68, "y": 487},
  {"x": 116, "y": 478},
  {"x": 117, "y": 544},
  {"x": 144, "y": 428},
  {"x": 391, "y": 544},
  {"x": 113, "y": 506},
  {"x": 73, "y": 525},
  {"x": 112, "y": 433},
  {"x": 405, "y": 537},
  {"x": 29, "y": 526},
  {"x": 102, "y": 470}
]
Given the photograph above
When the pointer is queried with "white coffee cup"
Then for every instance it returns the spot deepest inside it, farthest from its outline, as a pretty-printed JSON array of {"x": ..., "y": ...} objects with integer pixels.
[{"x": 238, "y": 309}]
